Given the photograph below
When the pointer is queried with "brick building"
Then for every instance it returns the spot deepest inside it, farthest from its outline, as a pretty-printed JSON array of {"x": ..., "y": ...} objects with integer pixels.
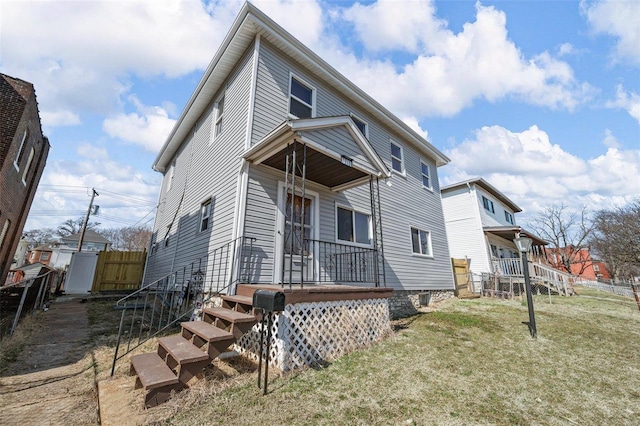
[{"x": 23, "y": 154}]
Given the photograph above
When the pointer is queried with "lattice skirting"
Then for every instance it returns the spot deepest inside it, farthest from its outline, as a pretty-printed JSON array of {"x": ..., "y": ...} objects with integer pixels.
[{"x": 319, "y": 332}]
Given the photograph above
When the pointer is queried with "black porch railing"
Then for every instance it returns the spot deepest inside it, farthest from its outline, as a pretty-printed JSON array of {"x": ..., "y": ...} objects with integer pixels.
[
  {"x": 176, "y": 297},
  {"x": 343, "y": 263}
]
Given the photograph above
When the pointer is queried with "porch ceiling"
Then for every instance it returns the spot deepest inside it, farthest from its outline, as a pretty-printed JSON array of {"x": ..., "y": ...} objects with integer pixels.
[
  {"x": 510, "y": 232},
  {"x": 320, "y": 168},
  {"x": 325, "y": 166}
]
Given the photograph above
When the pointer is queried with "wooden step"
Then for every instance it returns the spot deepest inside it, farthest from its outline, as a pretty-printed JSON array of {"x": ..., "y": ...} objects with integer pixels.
[
  {"x": 155, "y": 377},
  {"x": 202, "y": 334},
  {"x": 182, "y": 356},
  {"x": 235, "y": 322},
  {"x": 242, "y": 304},
  {"x": 229, "y": 315}
]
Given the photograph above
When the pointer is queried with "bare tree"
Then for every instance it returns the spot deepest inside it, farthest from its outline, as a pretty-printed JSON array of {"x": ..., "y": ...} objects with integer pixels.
[
  {"x": 40, "y": 237},
  {"x": 616, "y": 238},
  {"x": 131, "y": 238},
  {"x": 73, "y": 226},
  {"x": 567, "y": 231}
]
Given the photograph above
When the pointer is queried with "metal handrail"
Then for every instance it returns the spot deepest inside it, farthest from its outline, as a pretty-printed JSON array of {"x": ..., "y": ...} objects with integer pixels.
[
  {"x": 343, "y": 263},
  {"x": 178, "y": 296}
]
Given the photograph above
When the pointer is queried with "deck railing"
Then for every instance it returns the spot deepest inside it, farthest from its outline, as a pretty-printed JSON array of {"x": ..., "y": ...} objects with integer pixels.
[
  {"x": 343, "y": 263},
  {"x": 512, "y": 267},
  {"x": 178, "y": 296}
]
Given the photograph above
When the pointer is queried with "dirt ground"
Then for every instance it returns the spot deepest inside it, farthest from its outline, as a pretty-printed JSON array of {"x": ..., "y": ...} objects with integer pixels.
[{"x": 52, "y": 382}]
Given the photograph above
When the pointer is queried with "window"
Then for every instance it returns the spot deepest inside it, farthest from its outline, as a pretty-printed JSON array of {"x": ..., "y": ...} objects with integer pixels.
[
  {"x": 421, "y": 241},
  {"x": 508, "y": 217},
  {"x": 44, "y": 256},
  {"x": 170, "y": 174},
  {"x": 353, "y": 226},
  {"x": 426, "y": 177},
  {"x": 205, "y": 215},
  {"x": 219, "y": 116},
  {"x": 397, "y": 162},
  {"x": 16, "y": 161},
  {"x": 596, "y": 268},
  {"x": 488, "y": 204},
  {"x": 361, "y": 125},
  {"x": 3, "y": 233},
  {"x": 26, "y": 168},
  {"x": 301, "y": 99}
]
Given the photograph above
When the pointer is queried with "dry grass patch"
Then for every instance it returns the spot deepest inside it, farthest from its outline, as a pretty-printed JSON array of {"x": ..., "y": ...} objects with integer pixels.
[{"x": 468, "y": 362}]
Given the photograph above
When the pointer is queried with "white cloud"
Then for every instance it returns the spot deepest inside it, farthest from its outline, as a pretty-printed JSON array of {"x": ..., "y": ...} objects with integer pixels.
[
  {"x": 610, "y": 141},
  {"x": 415, "y": 125},
  {"x": 64, "y": 191},
  {"x": 527, "y": 167},
  {"x": 566, "y": 49},
  {"x": 451, "y": 70},
  {"x": 59, "y": 118},
  {"x": 629, "y": 101},
  {"x": 303, "y": 19},
  {"x": 619, "y": 19},
  {"x": 148, "y": 127},
  {"x": 83, "y": 59}
]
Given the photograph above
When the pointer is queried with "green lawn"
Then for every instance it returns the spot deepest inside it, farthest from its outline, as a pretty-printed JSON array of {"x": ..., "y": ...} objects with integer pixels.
[{"x": 466, "y": 362}]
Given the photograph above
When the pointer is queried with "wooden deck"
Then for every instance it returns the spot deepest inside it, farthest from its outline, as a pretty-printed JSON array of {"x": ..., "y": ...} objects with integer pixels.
[{"x": 317, "y": 293}]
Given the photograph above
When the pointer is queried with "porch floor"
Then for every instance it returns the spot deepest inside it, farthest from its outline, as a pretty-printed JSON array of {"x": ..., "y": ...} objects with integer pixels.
[{"x": 317, "y": 292}]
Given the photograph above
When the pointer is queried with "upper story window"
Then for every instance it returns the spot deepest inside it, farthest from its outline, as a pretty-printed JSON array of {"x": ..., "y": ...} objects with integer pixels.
[
  {"x": 205, "y": 215},
  {"x": 426, "y": 175},
  {"x": 20, "y": 153},
  {"x": 361, "y": 125},
  {"x": 219, "y": 116},
  {"x": 353, "y": 226},
  {"x": 301, "y": 98},
  {"x": 28, "y": 166},
  {"x": 170, "y": 174},
  {"x": 508, "y": 217},
  {"x": 45, "y": 256},
  {"x": 421, "y": 241},
  {"x": 4, "y": 230},
  {"x": 488, "y": 204},
  {"x": 397, "y": 159}
]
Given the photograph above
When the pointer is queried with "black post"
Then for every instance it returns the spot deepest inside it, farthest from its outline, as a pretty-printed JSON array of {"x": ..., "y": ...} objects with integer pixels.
[
  {"x": 263, "y": 321},
  {"x": 266, "y": 364},
  {"x": 527, "y": 284}
]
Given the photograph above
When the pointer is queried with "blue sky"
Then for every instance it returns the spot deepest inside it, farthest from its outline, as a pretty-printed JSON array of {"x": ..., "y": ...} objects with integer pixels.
[{"x": 542, "y": 99}]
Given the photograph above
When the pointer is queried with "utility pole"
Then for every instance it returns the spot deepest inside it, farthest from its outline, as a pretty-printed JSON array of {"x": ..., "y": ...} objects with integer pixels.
[{"x": 86, "y": 220}]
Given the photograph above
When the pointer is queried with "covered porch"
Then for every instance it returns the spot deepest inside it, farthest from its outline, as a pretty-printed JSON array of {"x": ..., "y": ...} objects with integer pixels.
[{"x": 320, "y": 238}]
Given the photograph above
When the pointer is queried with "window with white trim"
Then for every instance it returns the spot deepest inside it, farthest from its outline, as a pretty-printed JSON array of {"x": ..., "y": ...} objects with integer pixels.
[
  {"x": 421, "y": 241},
  {"x": 205, "y": 215},
  {"x": 3, "y": 233},
  {"x": 488, "y": 204},
  {"x": 508, "y": 217},
  {"x": 301, "y": 98},
  {"x": 45, "y": 256},
  {"x": 361, "y": 125},
  {"x": 397, "y": 159},
  {"x": 426, "y": 175},
  {"x": 219, "y": 107},
  {"x": 20, "y": 153},
  {"x": 27, "y": 166},
  {"x": 170, "y": 174},
  {"x": 353, "y": 226},
  {"x": 596, "y": 268}
]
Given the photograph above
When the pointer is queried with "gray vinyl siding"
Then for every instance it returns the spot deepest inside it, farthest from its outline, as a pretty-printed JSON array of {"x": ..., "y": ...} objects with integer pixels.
[
  {"x": 340, "y": 141},
  {"x": 204, "y": 171},
  {"x": 404, "y": 205},
  {"x": 497, "y": 218}
]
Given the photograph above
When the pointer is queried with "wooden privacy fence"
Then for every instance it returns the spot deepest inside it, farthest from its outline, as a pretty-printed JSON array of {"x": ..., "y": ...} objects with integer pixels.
[{"x": 119, "y": 271}]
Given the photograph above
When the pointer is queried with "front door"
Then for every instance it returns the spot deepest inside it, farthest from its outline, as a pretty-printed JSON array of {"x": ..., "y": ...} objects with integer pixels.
[{"x": 296, "y": 231}]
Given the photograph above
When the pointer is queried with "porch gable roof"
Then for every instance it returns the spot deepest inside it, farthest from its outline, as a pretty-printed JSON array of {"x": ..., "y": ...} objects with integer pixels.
[
  {"x": 329, "y": 168},
  {"x": 510, "y": 232}
]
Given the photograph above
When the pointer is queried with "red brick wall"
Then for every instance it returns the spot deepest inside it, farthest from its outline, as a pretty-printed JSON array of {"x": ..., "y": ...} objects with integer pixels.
[{"x": 16, "y": 197}]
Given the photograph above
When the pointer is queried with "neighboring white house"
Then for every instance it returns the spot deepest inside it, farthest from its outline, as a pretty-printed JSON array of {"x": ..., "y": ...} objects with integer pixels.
[
  {"x": 366, "y": 184},
  {"x": 481, "y": 224}
]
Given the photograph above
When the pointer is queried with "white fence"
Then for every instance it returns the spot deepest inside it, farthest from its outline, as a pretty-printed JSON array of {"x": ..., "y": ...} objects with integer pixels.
[{"x": 615, "y": 289}]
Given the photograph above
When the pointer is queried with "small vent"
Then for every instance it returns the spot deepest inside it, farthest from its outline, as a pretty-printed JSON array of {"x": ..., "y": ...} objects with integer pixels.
[{"x": 347, "y": 161}]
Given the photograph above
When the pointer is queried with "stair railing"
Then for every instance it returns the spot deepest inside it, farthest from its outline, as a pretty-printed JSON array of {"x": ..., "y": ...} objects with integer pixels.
[{"x": 177, "y": 297}]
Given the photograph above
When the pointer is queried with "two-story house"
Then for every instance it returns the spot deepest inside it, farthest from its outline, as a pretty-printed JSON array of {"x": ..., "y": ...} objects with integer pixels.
[
  {"x": 23, "y": 154},
  {"x": 481, "y": 225},
  {"x": 277, "y": 151}
]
